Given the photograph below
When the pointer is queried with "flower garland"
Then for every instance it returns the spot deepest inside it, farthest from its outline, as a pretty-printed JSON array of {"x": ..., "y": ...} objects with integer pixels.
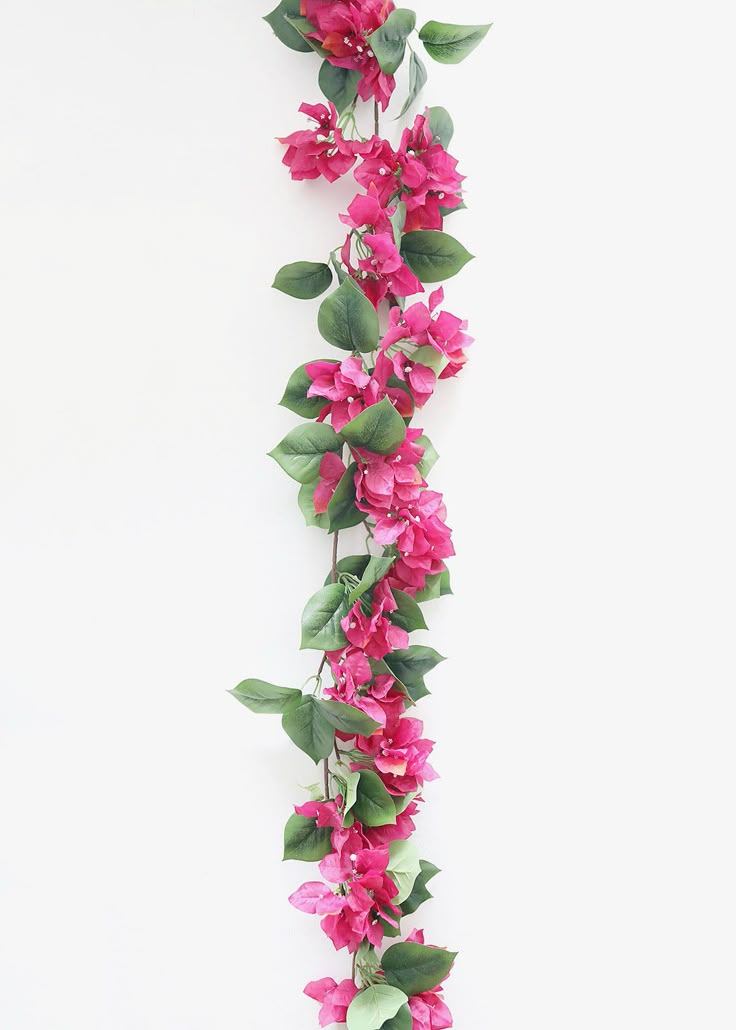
[{"x": 359, "y": 461}]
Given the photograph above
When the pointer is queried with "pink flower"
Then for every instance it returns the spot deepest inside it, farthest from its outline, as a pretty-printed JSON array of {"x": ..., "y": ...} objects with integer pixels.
[
  {"x": 378, "y": 836},
  {"x": 316, "y": 899},
  {"x": 335, "y": 999},
  {"x": 401, "y": 755},
  {"x": 382, "y": 273},
  {"x": 379, "y": 169},
  {"x": 368, "y": 209},
  {"x": 325, "y": 812},
  {"x": 331, "y": 471},
  {"x": 419, "y": 325},
  {"x": 343, "y": 385},
  {"x": 374, "y": 634},
  {"x": 424, "y": 541},
  {"x": 429, "y": 1012},
  {"x": 429, "y": 176},
  {"x": 321, "y": 151}
]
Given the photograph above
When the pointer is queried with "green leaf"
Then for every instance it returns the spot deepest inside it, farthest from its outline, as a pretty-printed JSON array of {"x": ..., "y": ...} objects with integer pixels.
[
  {"x": 416, "y": 968},
  {"x": 304, "y": 280},
  {"x": 295, "y": 395},
  {"x": 376, "y": 569},
  {"x": 398, "y": 221},
  {"x": 284, "y": 31},
  {"x": 403, "y": 1020},
  {"x": 430, "y": 357},
  {"x": 367, "y": 959},
  {"x": 339, "y": 85},
  {"x": 348, "y": 320},
  {"x": 420, "y": 894},
  {"x": 417, "y": 82},
  {"x": 347, "y": 719},
  {"x": 321, "y": 627},
  {"x": 402, "y": 801},
  {"x": 388, "y": 42},
  {"x": 403, "y": 868},
  {"x": 305, "y": 499},
  {"x": 432, "y": 590},
  {"x": 379, "y": 429},
  {"x": 441, "y": 125},
  {"x": 414, "y": 663},
  {"x": 265, "y": 698},
  {"x": 301, "y": 451},
  {"x": 370, "y": 1009},
  {"x": 374, "y": 806},
  {"x": 341, "y": 511},
  {"x": 352, "y": 781},
  {"x": 429, "y": 457},
  {"x": 304, "y": 26},
  {"x": 445, "y": 587},
  {"x": 433, "y": 255},
  {"x": 305, "y": 841},
  {"x": 309, "y": 729},
  {"x": 451, "y": 44},
  {"x": 352, "y": 564},
  {"x": 408, "y": 615},
  {"x": 447, "y": 211}
]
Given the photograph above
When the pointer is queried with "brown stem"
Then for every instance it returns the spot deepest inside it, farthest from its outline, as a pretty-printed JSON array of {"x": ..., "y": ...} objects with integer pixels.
[
  {"x": 333, "y": 577},
  {"x": 376, "y": 117},
  {"x": 327, "y": 779}
]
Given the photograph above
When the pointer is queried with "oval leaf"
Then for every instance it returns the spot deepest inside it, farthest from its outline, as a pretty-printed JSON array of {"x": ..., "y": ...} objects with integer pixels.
[
  {"x": 309, "y": 730},
  {"x": 305, "y": 500},
  {"x": 265, "y": 698},
  {"x": 420, "y": 894},
  {"x": 300, "y": 452},
  {"x": 374, "y": 806},
  {"x": 379, "y": 429},
  {"x": 416, "y": 968},
  {"x": 417, "y": 82},
  {"x": 370, "y": 1009},
  {"x": 321, "y": 627},
  {"x": 347, "y": 719},
  {"x": 375, "y": 569},
  {"x": 286, "y": 32},
  {"x": 342, "y": 512},
  {"x": 340, "y": 85},
  {"x": 433, "y": 255},
  {"x": 304, "y": 841},
  {"x": 408, "y": 615},
  {"x": 388, "y": 42},
  {"x": 295, "y": 395},
  {"x": 304, "y": 280},
  {"x": 348, "y": 320},
  {"x": 451, "y": 44},
  {"x": 441, "y": 126},
  {"x": 403, "y": 1020},
  {"x": 403, "y": 868}
]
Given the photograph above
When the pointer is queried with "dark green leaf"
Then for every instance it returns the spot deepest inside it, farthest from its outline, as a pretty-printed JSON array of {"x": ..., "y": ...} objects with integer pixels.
[
  {"x": 347, "y": 719},
  {"x": 305, "y": 841},
  {"x": 264, "y": 697},
  {"x": 420, "y": 894},
  {"x": 341, "y": 511},
  {"x": 370, "y": 1009},
  {"x": 432, "y": 590},
  {"x": 309, "y": 729},
  {"x": 433, "y": 255},
  {"x": 304, "y": 280},
  {"x": 284, "y": 31},
  {"x": 403, "y": 1020},
  {"x": 416, "y": 968},
  {"x": 301, "y": 451},
  {"x": 442, "y": 126},
  {"x": 417, "y": 81},
  {"x": 304, "y": 26},
  {"x": 339, "y": 85},
  {"x": 321, "y": 627},
  {"x": 353, "y": 564},
  {"x": 376, "y": 569},
  {"x": 379, "y": 429},
  {"x": 408, "y": 615},
  {"x": 388, "y": 42},
  {"x": 447, "y": 211},
  {"x": 374, "y": 806},
  {"x": 295, "y": 395},
  {"x": 445, "y": 587},
  {"x": 347, "y": 319},
  {"x": 305, "y": 500},
  {"x": 451, "y": 44},
  {"x": 414, "y": 663}
]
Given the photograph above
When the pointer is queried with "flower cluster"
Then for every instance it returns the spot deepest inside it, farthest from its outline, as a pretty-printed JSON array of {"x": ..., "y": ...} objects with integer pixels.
[{"x": 359, "y": 461}]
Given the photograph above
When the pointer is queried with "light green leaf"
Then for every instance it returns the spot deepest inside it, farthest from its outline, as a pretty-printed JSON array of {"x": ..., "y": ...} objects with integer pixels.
[
  {"x": 429, "y": 457},
  {"x": 321, "y": 627},
  {"x": 376, "y": 569},
  {"x": 370, "y": 1009},
  {"x": 433, "y": 255},
  {"x": 304, "y": 280},
  {"x": 388, "y": 42},
  {"x": 441, "y": 125},
  {"x": 301, "y": 451},
  {"x": 430, "y": 357},
  {"x": 417, "y": 81},
  {"x": 408, "y": 615},
  {"x": 403, "y": 868},
  {"x": 284, "y": 31},
  {"x": 352, "y": 781},
  {"x": 416, "y": 968},
  {"x": 347, "y": 719},
  {"x": 445, "y": 587},
  {"x": 309, "y": 729},
  {"x": 451, "y": 44},
  {"x": 420, "y": 894},
  {"x": 379, "y": 429},
  {"x": 304, "y": 841},
  {"x": 265, "y": 698},
  {"x": 347, "y": 319},
  {"x": 374, "y": 806},
  {"x": 339, "y": 85},
  {"x": 295, "y": 395},
  {"x": 305, "y": 500},
  {"x": 398, "y": 221},
  {"x": 342, "y": 512}
]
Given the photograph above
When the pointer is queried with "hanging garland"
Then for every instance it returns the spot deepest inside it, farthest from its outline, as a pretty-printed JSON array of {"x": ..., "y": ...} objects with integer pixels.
[{"x": 359, "y": 461}]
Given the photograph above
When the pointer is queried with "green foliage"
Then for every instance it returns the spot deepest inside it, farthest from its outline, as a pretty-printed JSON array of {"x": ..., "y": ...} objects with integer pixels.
[
  {"x": 416, "y": 968},
  {"x": 265, "y": 698},
  {"x": 347, "y": 719},
  {"x": 300, "y": 452},
  {"x": 304, "y": 280},
  {"x": 321, "y": 627},
  {"x": 379, "y": 429},
  {"x": 403, "y": 868},
  {"x": 374, "y": 806},
  {"x": 417, "y": 81},
  {"x": 309, "y": 729},
  {"x": 412, "y": 665},
  {"x": 451, "y": 44},
  {"x": 305, "y": 499},
  {"x": 305, "y": 841},
  {"x": 295, "y": 395},
  {"x": 339, "y": 85},
  {"x": 403, "y": 1020},
  {"x": 442, "y": 126},
  {"x": 433, "y": 255},
  {"x": 388, "y": 42},
  {"x": 348, "y": 320},
  {"x": 286, "y": 32},
  {"x": 341, "y": 511},
  {"x": 429, "y": 459},
  {"x": 408, "y": 615},
  {"x": 370, "y": 1009},
  {"x": 375, "y": 569},
  {"x": 419, "y": 893}
]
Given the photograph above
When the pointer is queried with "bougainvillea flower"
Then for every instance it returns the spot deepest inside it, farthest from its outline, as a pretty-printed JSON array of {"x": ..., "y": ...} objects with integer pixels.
[
  {"x": 420, "y": 326},
  {"x": 331, "y": 471},
  {"x": 342, "y": 384},
  {"x": 325, "y": 812},
  {"x": 319, "y": 151},
  {"x": 368, "y": 209},
  {"x": 335, "y": 999},
  {"x": 316, "y": 899},
  {"x": 401, "y": 755},
  {"x": 378, "y": 836},
  {"x": 374, "y": 634},
  {"x": 379, "y": 169},
  {"x": 382, "y": 273}
]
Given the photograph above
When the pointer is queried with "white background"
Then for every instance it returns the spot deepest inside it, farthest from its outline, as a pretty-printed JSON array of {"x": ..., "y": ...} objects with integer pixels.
[{"x": 152, "y": 555}]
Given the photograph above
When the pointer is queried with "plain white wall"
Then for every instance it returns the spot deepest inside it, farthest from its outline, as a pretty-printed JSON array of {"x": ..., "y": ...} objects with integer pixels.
[{"x": 152, "y": 555}]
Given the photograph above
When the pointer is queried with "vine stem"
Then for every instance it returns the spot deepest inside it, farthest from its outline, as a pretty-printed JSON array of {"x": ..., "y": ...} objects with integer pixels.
[
  {"x": 376, "y": 118},
  {"x": 333, "y": 579}
]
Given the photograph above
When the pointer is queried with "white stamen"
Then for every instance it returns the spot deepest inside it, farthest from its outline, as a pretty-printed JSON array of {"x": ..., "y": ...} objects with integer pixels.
[
  {"x": 360, "y": 49},
  {"x": 353, "y": 625},
  {"x": 350, "y": 400},
  {"x": 370, "y": 53},
  {"x": 353, "y": 858},
  {"x": 441, "y": 196},
  {"x": 382, "y": 171}
]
